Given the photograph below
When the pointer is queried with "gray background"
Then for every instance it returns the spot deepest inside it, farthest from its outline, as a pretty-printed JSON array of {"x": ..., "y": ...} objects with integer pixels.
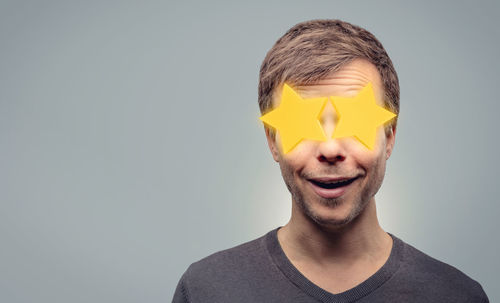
[{"x": 131, "y": 145}]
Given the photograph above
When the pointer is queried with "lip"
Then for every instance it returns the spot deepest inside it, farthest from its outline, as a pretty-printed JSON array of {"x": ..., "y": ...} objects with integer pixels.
[{"x": 331, "y": 192}]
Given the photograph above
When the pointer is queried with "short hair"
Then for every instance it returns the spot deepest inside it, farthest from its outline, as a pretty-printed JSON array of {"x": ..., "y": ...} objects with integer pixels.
[{"x": 312, "y": 50}]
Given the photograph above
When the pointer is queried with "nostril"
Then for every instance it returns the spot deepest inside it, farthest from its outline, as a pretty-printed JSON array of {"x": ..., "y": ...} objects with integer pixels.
[{"x": 336, "y": 158}]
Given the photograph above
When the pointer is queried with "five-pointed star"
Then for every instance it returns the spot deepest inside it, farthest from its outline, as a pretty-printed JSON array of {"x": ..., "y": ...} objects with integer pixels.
[
  {"x": 360, "y": 116},
  {"x": 296, "y": 119}
]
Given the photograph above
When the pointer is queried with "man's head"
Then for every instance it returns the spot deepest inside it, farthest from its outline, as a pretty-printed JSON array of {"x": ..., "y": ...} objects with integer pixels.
[{"x": 331, "y": 182}]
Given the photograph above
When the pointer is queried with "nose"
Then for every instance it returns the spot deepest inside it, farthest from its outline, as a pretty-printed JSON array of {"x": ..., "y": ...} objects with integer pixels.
[{"x": 330, "y": 151}]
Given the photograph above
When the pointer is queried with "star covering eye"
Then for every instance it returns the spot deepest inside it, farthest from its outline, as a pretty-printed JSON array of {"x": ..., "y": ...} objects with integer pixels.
[{"x": 297, "y": 119}]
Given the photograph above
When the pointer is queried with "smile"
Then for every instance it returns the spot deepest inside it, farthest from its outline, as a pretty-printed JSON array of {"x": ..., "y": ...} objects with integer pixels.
[
  {"x": 332, "y": 184},
  {"x": 330, "y": 188}
]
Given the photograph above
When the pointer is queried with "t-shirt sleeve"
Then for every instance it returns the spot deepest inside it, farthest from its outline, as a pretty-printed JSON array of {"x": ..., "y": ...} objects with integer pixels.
[
  {"x": 484, "y": 296},
  {"x": 181, "y": 294}
]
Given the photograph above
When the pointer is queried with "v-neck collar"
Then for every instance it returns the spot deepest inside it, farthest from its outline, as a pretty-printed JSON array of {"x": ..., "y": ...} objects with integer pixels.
[{"x": 296, "y": 277}]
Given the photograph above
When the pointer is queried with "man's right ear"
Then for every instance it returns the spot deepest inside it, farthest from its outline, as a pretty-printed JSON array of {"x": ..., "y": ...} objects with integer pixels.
[{"x": 271, "y": 142}]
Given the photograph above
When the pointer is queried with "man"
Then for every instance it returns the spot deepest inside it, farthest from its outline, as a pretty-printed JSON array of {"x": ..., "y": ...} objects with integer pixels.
[{"x": 333, "y": 248}]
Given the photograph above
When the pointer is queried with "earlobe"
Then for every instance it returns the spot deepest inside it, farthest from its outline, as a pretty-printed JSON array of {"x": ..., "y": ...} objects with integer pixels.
[
  {"x": 271, "y": 142},
  {"x": 391, "y": 137}
]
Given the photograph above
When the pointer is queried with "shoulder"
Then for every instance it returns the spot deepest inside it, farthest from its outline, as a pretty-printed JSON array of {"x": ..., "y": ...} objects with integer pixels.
[
  {"x": 445, "y": 279},
  {"x": 226, "y": 269},
  {"x": 237, "y": 257}
]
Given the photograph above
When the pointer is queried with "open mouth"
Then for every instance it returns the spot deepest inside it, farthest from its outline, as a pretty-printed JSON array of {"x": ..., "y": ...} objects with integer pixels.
[{"x": 332, "y": 184}]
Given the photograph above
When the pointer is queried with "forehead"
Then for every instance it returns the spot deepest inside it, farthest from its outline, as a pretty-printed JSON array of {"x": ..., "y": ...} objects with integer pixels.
[{"x": 345, "y": 82}]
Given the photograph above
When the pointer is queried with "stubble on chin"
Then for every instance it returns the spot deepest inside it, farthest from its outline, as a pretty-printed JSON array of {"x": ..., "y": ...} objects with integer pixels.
[{"x": 309, "y": 211}]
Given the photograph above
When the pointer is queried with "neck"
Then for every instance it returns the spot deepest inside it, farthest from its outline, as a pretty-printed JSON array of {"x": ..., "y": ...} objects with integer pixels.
[{"x": 362, "y": 239}]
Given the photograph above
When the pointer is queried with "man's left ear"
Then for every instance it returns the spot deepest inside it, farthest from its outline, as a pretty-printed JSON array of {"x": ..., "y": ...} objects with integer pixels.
[{"x": 390, "y": 139}]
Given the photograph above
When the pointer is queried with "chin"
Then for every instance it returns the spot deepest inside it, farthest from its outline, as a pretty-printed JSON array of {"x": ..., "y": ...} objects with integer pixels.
[{"x": 333, "y": 213}]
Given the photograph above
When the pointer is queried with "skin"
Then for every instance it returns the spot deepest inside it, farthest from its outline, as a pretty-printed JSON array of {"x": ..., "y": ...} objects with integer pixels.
[{"x": 336, "y": 243}]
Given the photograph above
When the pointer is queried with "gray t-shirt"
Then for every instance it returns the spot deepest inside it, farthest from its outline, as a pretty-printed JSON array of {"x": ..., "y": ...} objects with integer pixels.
[{"x": 259, "y": 272}]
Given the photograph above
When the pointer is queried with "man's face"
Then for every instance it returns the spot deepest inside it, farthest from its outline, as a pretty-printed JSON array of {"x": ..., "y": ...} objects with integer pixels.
[{"x": 331, "y": 182}]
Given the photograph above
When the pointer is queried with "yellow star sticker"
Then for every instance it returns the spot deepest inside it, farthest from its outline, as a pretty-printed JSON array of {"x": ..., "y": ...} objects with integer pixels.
[
  {"x": 296, "y": 119},
  {"x": 360, "y": 116}
]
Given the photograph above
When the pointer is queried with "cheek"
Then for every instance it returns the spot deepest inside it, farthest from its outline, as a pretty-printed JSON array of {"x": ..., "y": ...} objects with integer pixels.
[
  {"x": 375, "y": 164},
  {"x": 376, "y": 174},
  {"x": 288, "y": 172},
  {"x": 300, "y": 154},
  {"x": 372, "y": 162},
  {"x": 370, "y": 157},
  {"x": 295, "y": 162}
]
